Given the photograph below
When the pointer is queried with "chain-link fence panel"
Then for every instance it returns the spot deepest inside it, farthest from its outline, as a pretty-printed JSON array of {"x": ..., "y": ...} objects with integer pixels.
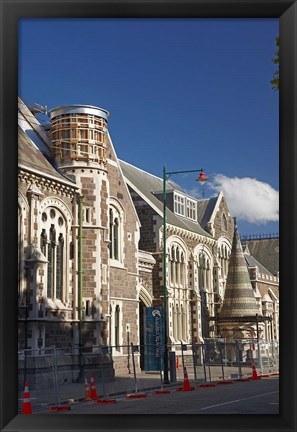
[
  {"x": 57, "y": 376},
  {"x": 36, "y": 368},
  {"x": 240, "y": 359},
  {"x": 189, "y": 360}
]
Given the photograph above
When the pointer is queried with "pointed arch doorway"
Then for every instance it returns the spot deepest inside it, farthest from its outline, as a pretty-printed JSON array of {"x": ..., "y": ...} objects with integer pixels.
[{"x": 145, "y": 300}]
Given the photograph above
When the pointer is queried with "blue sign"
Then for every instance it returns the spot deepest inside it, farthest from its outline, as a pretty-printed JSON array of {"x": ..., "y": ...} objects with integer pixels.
[{"x": 153, "y": 338}]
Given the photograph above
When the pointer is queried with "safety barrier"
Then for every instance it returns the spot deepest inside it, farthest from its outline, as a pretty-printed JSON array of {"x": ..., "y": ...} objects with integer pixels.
[{"x": 103, "y": 373}]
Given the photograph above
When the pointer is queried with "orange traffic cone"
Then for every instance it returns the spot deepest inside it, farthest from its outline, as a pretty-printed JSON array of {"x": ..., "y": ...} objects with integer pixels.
[
  {"x": 27, "y": 407},
  {"x": 93, "y": 389},
  {"x": 255, "y": 376},
  {"x": 186, "y": 386},
  {"x": 87, "y": 390}
]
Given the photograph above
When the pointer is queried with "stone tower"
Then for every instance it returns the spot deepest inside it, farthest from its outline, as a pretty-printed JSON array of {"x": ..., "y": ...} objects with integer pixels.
[{"x": 78, "y": 136}]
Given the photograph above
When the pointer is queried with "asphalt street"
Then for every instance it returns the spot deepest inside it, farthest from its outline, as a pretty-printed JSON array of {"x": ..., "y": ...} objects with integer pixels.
[{"x": 251, "y": 397}]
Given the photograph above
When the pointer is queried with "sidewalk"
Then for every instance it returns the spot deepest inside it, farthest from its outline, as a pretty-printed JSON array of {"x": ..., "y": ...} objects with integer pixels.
[
  {"x": 122, "y": 385},
  {"x": 75, "y": 392}
]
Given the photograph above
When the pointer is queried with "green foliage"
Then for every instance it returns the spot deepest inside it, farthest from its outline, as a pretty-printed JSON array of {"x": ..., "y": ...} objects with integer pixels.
[{"x": 275, "y": 81}]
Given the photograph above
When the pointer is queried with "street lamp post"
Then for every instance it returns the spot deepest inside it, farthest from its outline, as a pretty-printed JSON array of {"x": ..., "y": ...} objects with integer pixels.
[{"x": 202, "y": 178}]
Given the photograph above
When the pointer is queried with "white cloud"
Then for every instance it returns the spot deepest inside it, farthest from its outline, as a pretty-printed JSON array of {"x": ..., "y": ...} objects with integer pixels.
[{"x": 248, "y": 199}]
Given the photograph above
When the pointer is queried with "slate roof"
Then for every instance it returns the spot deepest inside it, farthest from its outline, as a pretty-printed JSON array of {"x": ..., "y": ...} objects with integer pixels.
[
  {"x": 31, "y": 126},
  {"x": 252, "y": 262},
  {"x": 146, "y": 185},
  {"x": 201, "y": 207},
  {"x": 205, "y": 210},
  {"x": 34, "y": 151},
  {"x": 265, "y": 251},
  {"x": 265, "y": 290},
  {"x": 31, "y": 158}
]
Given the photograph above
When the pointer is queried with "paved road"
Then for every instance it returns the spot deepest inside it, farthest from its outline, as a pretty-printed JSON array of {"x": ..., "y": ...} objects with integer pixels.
[{"x": 252, "y": 397}]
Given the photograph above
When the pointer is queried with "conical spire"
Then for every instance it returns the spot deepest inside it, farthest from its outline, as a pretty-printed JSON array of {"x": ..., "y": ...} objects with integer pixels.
[{"x": 239, "y": 300}]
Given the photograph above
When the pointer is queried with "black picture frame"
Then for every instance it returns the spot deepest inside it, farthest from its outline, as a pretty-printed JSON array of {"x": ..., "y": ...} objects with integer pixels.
[{"x": 11, "y": 12}]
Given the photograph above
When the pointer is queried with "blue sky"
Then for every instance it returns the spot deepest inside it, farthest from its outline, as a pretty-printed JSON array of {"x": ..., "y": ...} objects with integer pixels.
[{"x": 188, "y": 93}]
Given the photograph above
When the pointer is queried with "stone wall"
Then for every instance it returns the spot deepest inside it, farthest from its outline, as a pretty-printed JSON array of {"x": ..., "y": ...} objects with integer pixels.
[
  {"x": 58, "y": 334},
  {"x": 146, "y": 215},
  {"x": 123, "y": 274},
  {"x": 219, "y": 232},
  {"x": 38, "y": 370}
]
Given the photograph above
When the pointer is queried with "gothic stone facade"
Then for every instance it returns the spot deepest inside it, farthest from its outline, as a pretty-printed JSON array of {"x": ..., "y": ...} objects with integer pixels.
[
  {"x": 76, "y": 164},
  {"x": 197, "y": 260},
  {"x": 91, "y": 242}
]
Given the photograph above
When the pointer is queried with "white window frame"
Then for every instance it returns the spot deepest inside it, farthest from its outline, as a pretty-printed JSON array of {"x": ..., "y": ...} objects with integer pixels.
[
  {"x": 118, "y": 214},
  {"x": 87, "y": 215},
  {"x": 191, "y": 208},
  {"x": 179, "y": 204},
  {"x": 113, "y": 306},
  {"x": 45, "y": 227}
]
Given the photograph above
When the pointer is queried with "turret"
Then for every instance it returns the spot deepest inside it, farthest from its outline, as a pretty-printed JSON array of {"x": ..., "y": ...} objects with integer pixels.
[
  {"x": 78, "y": 134},
  {"x": 239, "y": 299}
]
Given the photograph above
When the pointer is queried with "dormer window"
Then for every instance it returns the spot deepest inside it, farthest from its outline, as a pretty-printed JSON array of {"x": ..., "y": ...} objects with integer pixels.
[
  {"x": 184, "y": 206},
  {"x": 191, "y": 209},
  {"x": 179, "y": 204}
]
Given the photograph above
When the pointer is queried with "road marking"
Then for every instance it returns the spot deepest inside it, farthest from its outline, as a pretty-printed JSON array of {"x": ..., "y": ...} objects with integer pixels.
[{"x": 238, "y": 400}]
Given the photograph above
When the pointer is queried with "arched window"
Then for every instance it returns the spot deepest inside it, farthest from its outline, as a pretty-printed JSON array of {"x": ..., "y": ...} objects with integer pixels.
[
  {"x": 223, "y": 255},
  {"x": 116, "y": 238},
  {"x": 52, "y": 245},
  {"x": 51, "y": 262},
  {"x": 204, "y": 285},
  {"x": 115, "y": 234},
  {"x": 59, "y": 266},
  {"x": 177, "y": 266},
  {"x": 178, "y": 284},
  {"x": 172, "y": 269}
]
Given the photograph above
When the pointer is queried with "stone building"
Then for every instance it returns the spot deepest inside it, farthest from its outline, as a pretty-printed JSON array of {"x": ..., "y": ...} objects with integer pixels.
[
  {"x": 266, "y": 289},
  {"x": 91, "y": 244},
  {"x": 78, "y": 235},
  {"x": 199, "y": 236},
  {"x": 250, "y": 308}
]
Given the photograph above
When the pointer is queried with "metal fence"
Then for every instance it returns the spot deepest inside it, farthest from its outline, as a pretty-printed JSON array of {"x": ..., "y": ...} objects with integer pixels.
[{"x": 57, "y": 376}]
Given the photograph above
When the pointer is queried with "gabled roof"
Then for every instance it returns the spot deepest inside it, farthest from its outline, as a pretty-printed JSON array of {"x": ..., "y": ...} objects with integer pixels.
[
  {"x": 252, "y": 262},
  {"x": 31, "y": 159},
  {"x": 33, "y": 129},
  {"x": 34, "y": 152},
  {"x": 146, "y": 184},
  {"x": 117, "y": 162},
  {"x": 205, "y": 210},
  {"x": 266, "y": 251}
]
